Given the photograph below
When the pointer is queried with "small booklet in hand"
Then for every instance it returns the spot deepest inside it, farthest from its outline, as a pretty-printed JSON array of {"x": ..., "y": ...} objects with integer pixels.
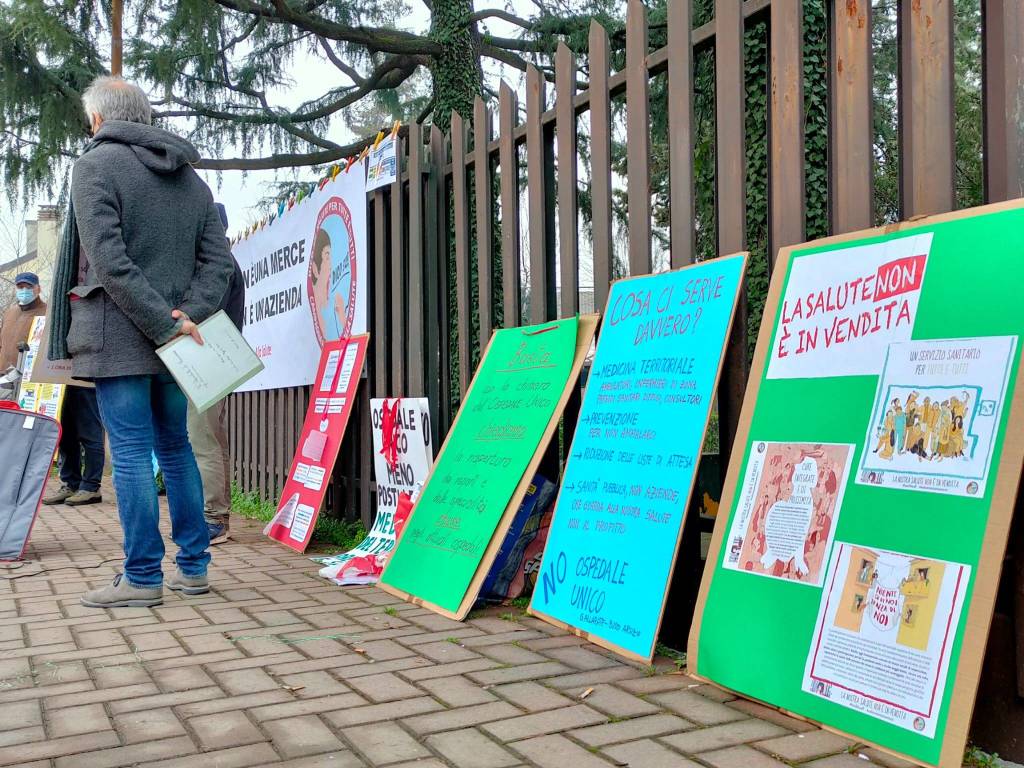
[{"x": 210, "y": 372}]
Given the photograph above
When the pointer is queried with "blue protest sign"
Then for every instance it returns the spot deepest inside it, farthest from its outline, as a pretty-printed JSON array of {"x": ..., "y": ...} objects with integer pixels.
[{"x": 634, "y": 456}]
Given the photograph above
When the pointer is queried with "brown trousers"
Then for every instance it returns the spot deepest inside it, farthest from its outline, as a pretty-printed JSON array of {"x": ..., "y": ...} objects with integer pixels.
[{"x": 208, "y": 434}]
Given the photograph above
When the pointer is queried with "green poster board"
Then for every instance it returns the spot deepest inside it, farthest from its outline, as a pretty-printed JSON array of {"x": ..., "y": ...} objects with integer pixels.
[
  {"x": 506, "y": 419},
  {"x": 853, "y": 569}
]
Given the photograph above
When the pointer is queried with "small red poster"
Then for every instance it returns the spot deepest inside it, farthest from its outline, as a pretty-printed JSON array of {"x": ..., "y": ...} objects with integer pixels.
[{"x": 334, "y": 391}]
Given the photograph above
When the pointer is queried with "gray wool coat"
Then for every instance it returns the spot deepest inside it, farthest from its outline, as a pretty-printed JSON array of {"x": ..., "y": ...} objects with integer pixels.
[{"x": 154, "y": 243}]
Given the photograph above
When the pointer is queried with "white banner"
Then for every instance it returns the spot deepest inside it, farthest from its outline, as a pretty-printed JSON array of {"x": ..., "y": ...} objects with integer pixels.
[{"x": 305, "y": 282}]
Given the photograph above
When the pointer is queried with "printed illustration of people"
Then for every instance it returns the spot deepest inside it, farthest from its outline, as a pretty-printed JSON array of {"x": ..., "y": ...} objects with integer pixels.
[
  {"x": 798, "y": 496},
  {"x": 931, "y": 429}
]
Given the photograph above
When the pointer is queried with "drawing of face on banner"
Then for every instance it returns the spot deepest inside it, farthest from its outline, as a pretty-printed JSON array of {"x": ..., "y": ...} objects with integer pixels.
[{"x": 332, "y": 281}]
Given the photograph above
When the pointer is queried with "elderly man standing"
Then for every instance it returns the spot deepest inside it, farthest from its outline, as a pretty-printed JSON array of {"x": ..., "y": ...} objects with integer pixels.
[
  {"x": 18, "y": 318},
  {"x": 143, "y": 259}
]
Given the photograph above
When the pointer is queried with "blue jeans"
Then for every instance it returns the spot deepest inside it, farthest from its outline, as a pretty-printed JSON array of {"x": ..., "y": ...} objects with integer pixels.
[{"x": 144, "y": 414}]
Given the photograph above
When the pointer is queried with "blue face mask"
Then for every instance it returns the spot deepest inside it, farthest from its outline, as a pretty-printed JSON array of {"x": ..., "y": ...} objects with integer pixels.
[{"x": 25, "y": 296}]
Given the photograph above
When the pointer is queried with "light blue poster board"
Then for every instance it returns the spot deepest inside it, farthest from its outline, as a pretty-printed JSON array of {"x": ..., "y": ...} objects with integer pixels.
[{"x": 619, "y": 516}]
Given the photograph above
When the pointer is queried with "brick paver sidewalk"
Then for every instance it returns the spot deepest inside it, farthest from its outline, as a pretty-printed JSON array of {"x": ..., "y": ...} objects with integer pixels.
[{"x": 278, "y": 667}]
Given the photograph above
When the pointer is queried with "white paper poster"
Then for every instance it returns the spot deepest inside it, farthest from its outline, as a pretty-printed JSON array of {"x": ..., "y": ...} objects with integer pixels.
[
  {"x": 305, "y": 282},
  {"x": 936, "y": 412},
  {"x": 843, "y": 307},
  {"x": 884, "y": 634},
  {"x": 789, "y": 504},
  {"x": 38, "y": 397},
  {"x": 382, "y": 167},
  {"x": 402, "y": 457}
]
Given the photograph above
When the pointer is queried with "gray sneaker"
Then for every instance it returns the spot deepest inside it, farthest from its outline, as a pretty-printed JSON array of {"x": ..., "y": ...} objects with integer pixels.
[
  {"x": 59, "y": 497},
  {"x": 188, "y": 585},
  {"x": 120, "y": 594},
  {"x": 81, "y": 498}
]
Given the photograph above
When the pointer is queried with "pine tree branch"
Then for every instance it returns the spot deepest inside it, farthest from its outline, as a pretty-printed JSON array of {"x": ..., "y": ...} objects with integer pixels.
[
  {"x": 351, "y": 72},
  {"x": 290, "y": 160},
  {"x": 547, "y": 45},
  {"x": 425, "y": 113},
  {"x": 497, "y": 13},
  {"x": 271, "y": 162},
  {"x": 261, "y": 96},
  {"x": 390, "y": 74},
  {"x": 373, "y": 38},
  {"x": 22, "y": 142},
  {"x": 514, "y": 60}
]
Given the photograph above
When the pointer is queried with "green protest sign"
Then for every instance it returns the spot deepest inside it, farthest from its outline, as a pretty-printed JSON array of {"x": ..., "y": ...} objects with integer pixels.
[
  {"x": 854, "y": 565},
  {"x": 510, "y": 411}
]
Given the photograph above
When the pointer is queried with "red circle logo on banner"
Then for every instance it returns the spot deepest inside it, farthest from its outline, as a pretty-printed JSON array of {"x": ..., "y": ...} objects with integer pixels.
[{"x": 331, "y": 281}]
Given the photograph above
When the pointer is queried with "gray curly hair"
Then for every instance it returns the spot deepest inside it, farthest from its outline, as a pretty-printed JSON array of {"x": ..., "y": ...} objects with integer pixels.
[{"x": 115, "y": 99}]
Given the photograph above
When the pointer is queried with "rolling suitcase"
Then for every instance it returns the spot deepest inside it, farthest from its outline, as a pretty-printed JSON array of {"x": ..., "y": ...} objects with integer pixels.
[{"x": 28, "y": 443}]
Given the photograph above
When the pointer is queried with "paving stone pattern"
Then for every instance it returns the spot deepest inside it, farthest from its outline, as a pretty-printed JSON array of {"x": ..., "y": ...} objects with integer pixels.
[{"x": 277, "y": 667}]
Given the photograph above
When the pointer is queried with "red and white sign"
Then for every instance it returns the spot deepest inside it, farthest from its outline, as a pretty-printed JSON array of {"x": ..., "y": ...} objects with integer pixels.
[
  {"x": 844, "y": 306},
  {"x": 330, "y": 406}
]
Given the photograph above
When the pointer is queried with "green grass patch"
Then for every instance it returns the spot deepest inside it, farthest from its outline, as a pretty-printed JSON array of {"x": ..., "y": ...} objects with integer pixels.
[
  {"x": 976, "y": 758},
  {"x": 678, "y": 657},
  {"x": 328, "y": 532}
]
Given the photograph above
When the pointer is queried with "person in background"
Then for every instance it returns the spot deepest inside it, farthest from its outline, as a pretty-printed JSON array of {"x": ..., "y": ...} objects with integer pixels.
[
  {"x": 208, "y": 430},
  {"x": 81, "y": 437},
  {"x": 18, "y": 318},
  {"x": 158, "y": 264}
]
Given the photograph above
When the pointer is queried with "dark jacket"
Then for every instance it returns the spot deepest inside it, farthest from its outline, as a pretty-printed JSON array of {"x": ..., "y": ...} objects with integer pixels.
[
  {"x": 155, "y": 243},
  {"x": 234, "y": 300}
]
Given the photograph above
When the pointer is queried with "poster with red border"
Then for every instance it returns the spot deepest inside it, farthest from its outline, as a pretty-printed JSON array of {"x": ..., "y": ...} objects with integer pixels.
[
  {"x": 883, "y": 639},
  {"x": 330, "y": 405}
]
